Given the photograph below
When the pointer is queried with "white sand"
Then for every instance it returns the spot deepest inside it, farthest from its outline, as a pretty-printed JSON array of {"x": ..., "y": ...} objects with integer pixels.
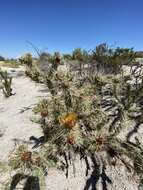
[{"x": 13, "y": 123}]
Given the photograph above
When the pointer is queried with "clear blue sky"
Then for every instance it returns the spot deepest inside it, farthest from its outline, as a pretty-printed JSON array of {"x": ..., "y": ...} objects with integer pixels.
[{"x": 62, "y": 25}]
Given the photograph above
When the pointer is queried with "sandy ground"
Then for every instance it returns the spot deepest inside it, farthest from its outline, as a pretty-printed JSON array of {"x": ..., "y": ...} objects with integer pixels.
[
  {"x": 13, "y": 123},
  {"x": 16, "y": 125}
]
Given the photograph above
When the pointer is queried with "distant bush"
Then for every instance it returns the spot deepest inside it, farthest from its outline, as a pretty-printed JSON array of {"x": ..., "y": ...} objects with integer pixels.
[
  {"x": 67, "y": 56},
  {"x": 113, "y": 59},
  {"x": 26, "y": 59},
  {"x": 139, "y": 54},
  {"x": 80, "y": 54},
  {"x": 44, "y": 56},
  {"x": 2, "y": 58}
]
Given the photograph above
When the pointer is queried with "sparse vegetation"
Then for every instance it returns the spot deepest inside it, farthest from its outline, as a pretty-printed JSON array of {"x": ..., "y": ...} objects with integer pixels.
[
  {"x": 10, "y": 63},
  {"x": 84, "y": 116}
]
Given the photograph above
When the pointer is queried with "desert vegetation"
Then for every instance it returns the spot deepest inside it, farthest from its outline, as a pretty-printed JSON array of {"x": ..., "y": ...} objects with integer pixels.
[
  {"x": 6, "y": 82},
  {"x": 94, "y": 96}
]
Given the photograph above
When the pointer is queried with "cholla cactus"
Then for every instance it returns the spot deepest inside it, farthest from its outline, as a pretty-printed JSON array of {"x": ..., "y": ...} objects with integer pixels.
[
  {"x": 86, "y": 120},
  {"x": 6, "y": 83},
  {"x": 34, "y": 73},
  {"x": 78, "y": 122},
  {"x": 27, "y": 164}
]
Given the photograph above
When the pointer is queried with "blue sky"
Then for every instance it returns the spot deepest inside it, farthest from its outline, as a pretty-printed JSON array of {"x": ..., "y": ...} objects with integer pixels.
[{"x": 62, "y": 25}]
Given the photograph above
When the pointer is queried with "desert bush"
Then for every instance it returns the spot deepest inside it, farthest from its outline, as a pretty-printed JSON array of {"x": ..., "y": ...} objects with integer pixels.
[
  {"x": 26, "y": 60},
  {"x": 67, "y": 56},
  {"x": 112, "y": 59},
  {"x": 44, "y": 56},
  {"x": 2, "y": 58},
  {"x": 82, "y": 57},
  {"x": 80, "y": 54}
]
